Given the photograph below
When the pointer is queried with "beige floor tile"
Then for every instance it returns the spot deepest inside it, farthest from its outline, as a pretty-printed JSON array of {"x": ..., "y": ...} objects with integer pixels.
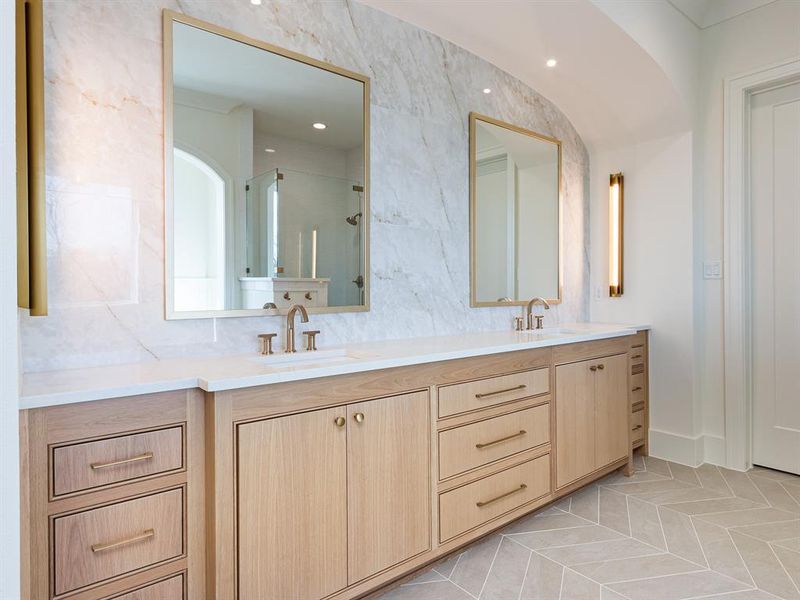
[
  {"x": 637, "y": 477},
  {"x": 790, "y": 561},
  {"x": 471, "y": 571},
  {"x": 543, "y": 579},
  {"x": 721, "y": 552},
  {"x": 648, "y": 487},
  {"x": 772, "y": 474},
  {"x": 611, "y": 571},
  {"x": 645, "y": 523},
  {"x": 793, "y": 544},
  {"x": 742, "y": 486},
  {"x": 540, "y": 522},
  {"x": 772, "y": 532},
  {"x": 578, "y": 587},
  {"x": 596, "y": 551},
  {"x": 446, "y": 567},
  {"x": 680, "y": 535},
  {"x": 716, "y": 505},
  {"x": 656, "y": 465},
  {"x": 608, "y": 594},
  {"x": 689, "y": 494},
  {"x": 743, "y": 595},
  {"x": 438, "y": 590},
  {"x": 507, "y": 573},
  {"x": 776, "y": 494},
  {"x": 792, "y": 490},
  {"x": 678, "y": 587},
  {"x": 638, "y": 461},
  {"x": 711, "y": 478},
  {"x": 584, "y": 503},
  {"x": 684, "y": 473},
  {"x": 614, "y": 511},
  {"x": 565, "y": 537},
  {"x": 739, "y": 518},
  {"x": 767, "y": 571},
  {"x": 427, "y": 577}
]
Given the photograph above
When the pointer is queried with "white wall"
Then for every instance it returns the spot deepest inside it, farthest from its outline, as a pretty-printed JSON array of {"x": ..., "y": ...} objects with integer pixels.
[
  {"x": 9, "y": 351},
  {"x": 658, "y": 276},
  {"x": 750, "y": 41}
]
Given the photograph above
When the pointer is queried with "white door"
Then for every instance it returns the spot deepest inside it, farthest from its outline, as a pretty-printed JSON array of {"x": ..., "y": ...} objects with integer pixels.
[{"x": 775, "y": 214}]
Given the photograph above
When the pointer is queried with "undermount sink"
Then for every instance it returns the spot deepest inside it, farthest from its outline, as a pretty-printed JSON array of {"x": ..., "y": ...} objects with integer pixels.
[{"x": 304, "y": 357}]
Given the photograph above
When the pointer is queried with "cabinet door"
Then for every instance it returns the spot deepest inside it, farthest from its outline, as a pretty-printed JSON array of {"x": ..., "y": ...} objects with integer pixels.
[
  {"x": 389, "y": 475},
  {"x": 575, "y": 422},
  {"x": 611, "y": 409},
  {"x": 292, "y": 500}
]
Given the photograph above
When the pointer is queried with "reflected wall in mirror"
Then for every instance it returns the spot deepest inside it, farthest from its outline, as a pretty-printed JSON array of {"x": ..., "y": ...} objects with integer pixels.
[
  {"x": 515, "y": 220},
  {"x": 267, "y": 160}
]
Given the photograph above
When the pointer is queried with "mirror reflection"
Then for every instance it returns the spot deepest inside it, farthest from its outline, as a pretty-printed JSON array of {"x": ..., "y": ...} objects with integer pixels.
[
  {"x": 269, "y": 198},
  {"x": 515, "y": 206}
]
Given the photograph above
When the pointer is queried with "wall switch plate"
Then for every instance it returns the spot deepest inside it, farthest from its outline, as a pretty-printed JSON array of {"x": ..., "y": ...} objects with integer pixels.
[{"x": 712, "y": 269}]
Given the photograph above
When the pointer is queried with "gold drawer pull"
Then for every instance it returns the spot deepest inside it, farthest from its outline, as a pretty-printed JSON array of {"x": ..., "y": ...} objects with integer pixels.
[
  {"x": 637, "y": 428},
  {"x": 636, "y": 356},
  {"x": 503, "y": 439},
  {"x": 521, "y": 487},
  {"x": 512, "y": 389},
  {"x": 146, "y": 534},
  {"x": 637, "y": 388},
  {"x": 124, "y": 461}
]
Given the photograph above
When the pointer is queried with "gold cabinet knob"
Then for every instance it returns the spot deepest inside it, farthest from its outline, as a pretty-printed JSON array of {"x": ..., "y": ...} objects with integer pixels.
[
  {"x": 359, "y": 417},
  {"x": 339, "y": 421},
  {"x": 601, "y": 367},
  {"x": 593, "y": 368}
]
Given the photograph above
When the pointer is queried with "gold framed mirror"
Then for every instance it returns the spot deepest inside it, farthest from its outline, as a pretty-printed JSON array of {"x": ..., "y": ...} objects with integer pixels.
[
  {"x": 515, "y": 214},
  {"x": 266, "y": 155}
]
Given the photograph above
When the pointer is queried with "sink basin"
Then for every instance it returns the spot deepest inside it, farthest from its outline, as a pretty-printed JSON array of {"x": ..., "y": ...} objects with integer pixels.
[{"x": 302, "y": 357}]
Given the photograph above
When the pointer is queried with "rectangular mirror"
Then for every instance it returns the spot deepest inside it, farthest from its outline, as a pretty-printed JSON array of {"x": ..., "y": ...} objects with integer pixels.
[
  {"x": 267, "y": 185},
  {"x": 515, "y": 214}
]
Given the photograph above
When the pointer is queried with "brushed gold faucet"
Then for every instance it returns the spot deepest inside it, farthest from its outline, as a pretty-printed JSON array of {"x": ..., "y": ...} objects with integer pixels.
[
  {"x": 539, "y": 318},
  {"x": 289, "y": 347}
]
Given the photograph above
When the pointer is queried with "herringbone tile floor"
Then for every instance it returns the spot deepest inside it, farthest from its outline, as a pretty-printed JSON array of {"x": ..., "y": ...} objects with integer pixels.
[{"x": 670, "y": 532}]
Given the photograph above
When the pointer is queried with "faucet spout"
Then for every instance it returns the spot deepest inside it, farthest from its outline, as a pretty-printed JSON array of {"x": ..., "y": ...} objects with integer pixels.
[
  {"x": 290, "y": 342},
  {"x": 539, "y": 318}
]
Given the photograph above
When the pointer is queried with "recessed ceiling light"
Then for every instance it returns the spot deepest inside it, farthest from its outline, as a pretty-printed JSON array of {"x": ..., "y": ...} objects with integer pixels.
[
  {"x": 487, "y": 90},
  {"x": 269, "y": 150},
  {"x": 319, "y": 126},
  {"x": 551, "y": 62},
  {"x": 255, "y": 2}
]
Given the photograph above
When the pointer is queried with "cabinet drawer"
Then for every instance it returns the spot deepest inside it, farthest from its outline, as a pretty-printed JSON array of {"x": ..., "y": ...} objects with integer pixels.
[
  {"x": 474, "y": 395},
  {"x": 471, "y": 446},
  {"x": 638, "y": 391},
  {"x": 104, "y": 542},
  {"x": 169, "y": 589},
  {"x": 637, "y": 426},
  {"x": 81, "y": 467},
  {"x": 476, "y": 503}
]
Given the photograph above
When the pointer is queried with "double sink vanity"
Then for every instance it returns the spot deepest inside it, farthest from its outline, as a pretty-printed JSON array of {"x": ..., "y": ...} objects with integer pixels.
[{"x": 314, "y": 475}]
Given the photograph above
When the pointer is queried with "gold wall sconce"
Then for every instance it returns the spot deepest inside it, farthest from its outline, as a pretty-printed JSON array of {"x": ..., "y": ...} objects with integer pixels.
[
  {"x": 615, "y": 230},
  {"x": 31, "y": 233}
]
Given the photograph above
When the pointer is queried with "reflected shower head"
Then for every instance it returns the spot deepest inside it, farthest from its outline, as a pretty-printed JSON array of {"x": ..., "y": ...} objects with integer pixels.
[{"x": 354, "y": 219}]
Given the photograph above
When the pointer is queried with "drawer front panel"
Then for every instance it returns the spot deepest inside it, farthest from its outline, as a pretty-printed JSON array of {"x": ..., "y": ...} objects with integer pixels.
[
  {"x": 474, "y": 395},
  {"x": 169, "y": 589},
  {"x": 637, "y": 426},
  {"x": 476, "y": 503},
  {"x": 84, "y": 466},
  {"x": 638, "y": 391},
  {"x": 105, "y": 542},
  {"x": 471, "y": 446}
]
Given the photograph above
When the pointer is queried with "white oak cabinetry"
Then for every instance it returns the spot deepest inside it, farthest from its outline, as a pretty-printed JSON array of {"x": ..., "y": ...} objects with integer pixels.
[{"x": 324, "y": 488}]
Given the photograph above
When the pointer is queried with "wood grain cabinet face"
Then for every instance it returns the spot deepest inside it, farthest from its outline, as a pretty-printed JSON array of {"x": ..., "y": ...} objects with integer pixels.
[
  {"x": 101, "y": 543},
  {"x": 389, "y": 498},
  {"x": 169, "y": 589},
  {"x": 292, "y": 506},
  {"x": 79, "y": 467},
  {"x": 475, "y": 395},
  {"x": 592, "y": 408}
]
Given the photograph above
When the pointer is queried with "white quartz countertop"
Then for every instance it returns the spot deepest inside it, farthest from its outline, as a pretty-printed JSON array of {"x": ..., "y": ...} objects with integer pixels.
[{"x": 231, "y": 372}]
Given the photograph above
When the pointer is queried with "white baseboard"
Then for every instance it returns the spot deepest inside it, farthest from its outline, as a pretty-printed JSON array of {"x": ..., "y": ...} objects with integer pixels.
[{"x": 687, "y": 450}]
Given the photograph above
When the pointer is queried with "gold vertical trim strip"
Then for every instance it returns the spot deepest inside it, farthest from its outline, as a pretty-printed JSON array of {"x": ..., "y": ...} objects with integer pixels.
[
  {"x": 32, "y": 235},
  {"x": 617, "y": 179}
]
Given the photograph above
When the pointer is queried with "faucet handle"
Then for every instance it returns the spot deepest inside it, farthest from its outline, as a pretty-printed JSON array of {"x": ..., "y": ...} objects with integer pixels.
[
  {"x": 518, "y": 323},
  {"x": 311, "y": 339},
  {"x": 266, "y": 342},
  {"x": 539, "y": 321}
]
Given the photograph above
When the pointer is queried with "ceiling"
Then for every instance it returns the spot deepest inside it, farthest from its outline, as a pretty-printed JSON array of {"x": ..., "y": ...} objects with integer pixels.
[
  {"x": 287, "y": 96},
  {"x": 612, "y": 91},
  {"x": 706, "y": 13}
]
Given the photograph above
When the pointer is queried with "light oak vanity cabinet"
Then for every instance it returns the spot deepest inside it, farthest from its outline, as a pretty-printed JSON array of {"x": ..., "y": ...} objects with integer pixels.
[{"x": 592, "y": 408}]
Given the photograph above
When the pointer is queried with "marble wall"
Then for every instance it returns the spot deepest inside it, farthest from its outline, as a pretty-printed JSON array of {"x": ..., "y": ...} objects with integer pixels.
[{"x": 105, "y": 192}]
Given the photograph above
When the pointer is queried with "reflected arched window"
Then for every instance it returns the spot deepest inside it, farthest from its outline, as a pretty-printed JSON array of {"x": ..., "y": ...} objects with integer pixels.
[{"x": 199, "y": 234}]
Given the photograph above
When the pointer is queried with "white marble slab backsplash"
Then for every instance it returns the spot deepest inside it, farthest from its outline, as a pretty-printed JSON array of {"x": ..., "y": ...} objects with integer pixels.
[{"x": 105, "y": 192}]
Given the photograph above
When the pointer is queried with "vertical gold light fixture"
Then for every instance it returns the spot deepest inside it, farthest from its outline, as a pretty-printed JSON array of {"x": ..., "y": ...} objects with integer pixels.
[
  {"x": 31, "y": 235},
  {"x": 615, "y": 225}
]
